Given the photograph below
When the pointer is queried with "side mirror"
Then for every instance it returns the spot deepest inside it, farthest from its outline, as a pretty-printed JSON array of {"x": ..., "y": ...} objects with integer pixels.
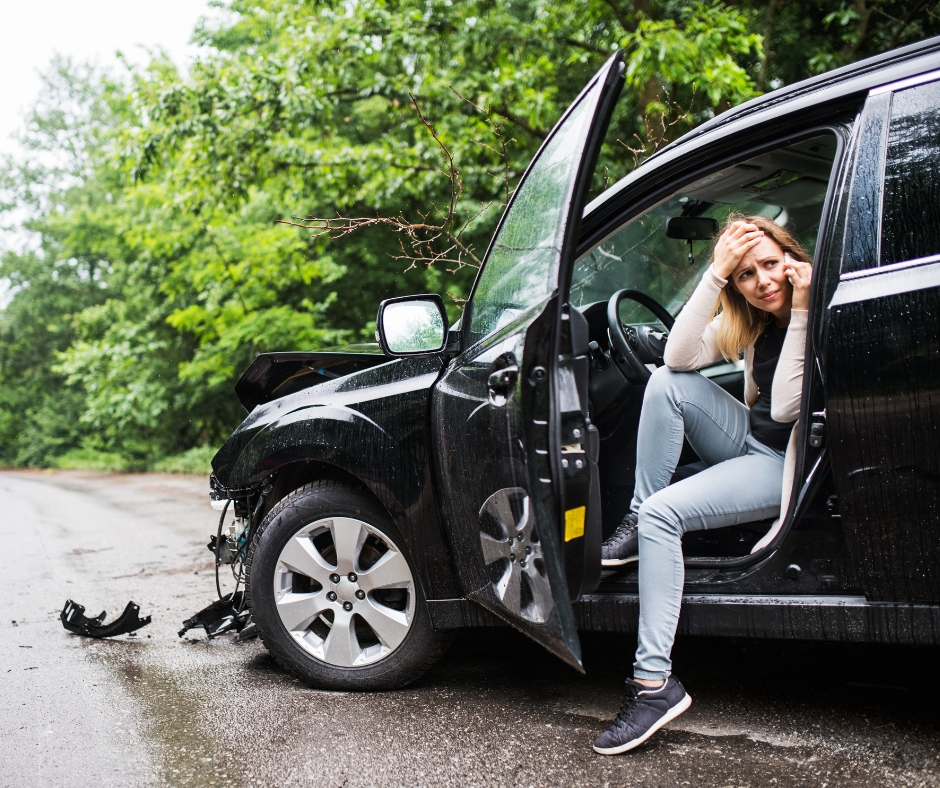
[{"x": 412, "y": 325}]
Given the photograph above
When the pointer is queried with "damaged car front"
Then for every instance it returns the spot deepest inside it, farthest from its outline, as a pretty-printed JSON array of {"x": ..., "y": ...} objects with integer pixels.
[{"x": 351, "y": 418}]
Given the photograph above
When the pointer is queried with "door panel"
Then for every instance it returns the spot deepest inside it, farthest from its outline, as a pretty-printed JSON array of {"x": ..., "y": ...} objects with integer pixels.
[
  {"x": 884, "y": 412},
  {"x": 506, "y": 412},
  {"x": 883, "y": 352}
]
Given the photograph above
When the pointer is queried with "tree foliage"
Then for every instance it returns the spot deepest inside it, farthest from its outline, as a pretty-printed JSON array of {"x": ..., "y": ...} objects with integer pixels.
[{"x": 143, "y": 264}]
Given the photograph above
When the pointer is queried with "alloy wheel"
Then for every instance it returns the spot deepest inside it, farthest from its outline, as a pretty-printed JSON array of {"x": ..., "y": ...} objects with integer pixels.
[
  {"x": 344, "y": 592},
  {"x": 512, "y": 552}
]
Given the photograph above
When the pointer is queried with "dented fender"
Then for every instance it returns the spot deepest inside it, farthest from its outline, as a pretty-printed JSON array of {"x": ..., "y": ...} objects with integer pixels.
[
  {"x": 373, "y": 425},
  {"x": 333, "y": 434}
]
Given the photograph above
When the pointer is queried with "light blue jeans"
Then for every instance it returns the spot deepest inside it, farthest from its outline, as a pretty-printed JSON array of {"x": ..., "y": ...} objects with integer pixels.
[{"x": 741, "y": 484}]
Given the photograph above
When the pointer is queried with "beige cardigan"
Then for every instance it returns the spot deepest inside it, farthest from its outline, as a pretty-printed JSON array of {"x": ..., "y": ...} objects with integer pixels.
[{"x": 693, "y": 344}]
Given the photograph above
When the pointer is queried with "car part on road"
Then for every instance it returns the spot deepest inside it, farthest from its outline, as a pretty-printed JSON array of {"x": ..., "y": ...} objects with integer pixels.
[
  {"x": 228, "y": 614},
  {"x": 74, "y": 620},
  {"x": 334, "y": 594}
]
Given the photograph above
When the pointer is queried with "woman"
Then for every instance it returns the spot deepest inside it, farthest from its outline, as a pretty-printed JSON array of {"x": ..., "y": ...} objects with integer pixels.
[{"x": 761, "y": 289}]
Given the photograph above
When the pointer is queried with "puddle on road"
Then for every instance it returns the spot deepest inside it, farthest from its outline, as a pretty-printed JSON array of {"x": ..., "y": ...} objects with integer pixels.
[{"x": 188, "y": 751}]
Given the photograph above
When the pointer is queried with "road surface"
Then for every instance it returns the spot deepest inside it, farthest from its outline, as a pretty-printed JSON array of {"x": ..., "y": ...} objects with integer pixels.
[{"x": 154, "y": 709}]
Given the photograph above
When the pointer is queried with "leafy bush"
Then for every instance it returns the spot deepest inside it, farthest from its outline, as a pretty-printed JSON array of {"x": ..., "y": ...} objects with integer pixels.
[
  {"x": 93, "y": 460},
  {"x": 197, "y": 461}
]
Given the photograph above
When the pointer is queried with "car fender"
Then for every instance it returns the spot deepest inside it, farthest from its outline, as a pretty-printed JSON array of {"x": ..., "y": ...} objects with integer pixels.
[{"x": 336, "y": 435}]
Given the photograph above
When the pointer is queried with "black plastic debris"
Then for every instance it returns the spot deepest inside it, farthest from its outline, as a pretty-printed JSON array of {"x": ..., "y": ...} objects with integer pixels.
[
  {"x": 74, "y": 620},
  {"x": 249, "y": 631},
  {"x": 228, "y": 614}
]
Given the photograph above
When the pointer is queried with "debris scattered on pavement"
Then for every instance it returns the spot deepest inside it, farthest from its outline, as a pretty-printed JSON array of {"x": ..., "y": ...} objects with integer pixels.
[
  {"x": 74, "y": 620},
  {"x": 228, "y": 614},
  {"x": 249, "y": 631}
]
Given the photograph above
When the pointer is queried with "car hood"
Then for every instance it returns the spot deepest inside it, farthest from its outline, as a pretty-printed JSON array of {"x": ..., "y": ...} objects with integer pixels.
[
  {"x": 360, "y": 392},
  {"x": 275, "y": 375}
]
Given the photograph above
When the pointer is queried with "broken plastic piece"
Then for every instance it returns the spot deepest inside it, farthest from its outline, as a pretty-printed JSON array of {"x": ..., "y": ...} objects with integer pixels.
[
  {"x": 249, "y": 631},
  {"x": 74, "y": 620},
  {"x": 224, "y": 552},
  {"x": 227, "y": 614}
]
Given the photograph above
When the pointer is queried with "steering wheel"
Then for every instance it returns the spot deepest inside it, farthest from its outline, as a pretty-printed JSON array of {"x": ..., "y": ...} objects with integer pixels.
[{"x": 634, "y": 348}]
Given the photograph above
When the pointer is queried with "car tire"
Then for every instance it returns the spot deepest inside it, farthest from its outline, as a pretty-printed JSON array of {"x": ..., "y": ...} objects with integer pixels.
[{"x": 371, "y": 630}]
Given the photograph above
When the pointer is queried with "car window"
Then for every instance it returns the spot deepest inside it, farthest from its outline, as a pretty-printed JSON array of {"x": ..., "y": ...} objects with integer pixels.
[
  {"x": 910, "y": 225},
  {"x": 787, "y": 185},
  {"x": 521, "y": 269}
]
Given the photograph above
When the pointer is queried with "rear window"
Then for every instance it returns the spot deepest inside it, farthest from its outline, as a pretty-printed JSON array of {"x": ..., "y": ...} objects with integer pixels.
[{"x": 910, "y": 227}]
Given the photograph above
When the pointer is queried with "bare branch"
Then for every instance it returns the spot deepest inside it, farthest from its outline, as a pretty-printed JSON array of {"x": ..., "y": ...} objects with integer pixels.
[
  {"x": 428, "y": 241},
  {"x": 497, "y": 130},
  {"x": 456, "y": 185},
  {"x": 646, "y": 147}
]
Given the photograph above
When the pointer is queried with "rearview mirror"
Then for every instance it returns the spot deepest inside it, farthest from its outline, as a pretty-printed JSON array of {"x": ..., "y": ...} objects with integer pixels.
[
  {"x": 686, "y": 228},
  {"x": 412, "y": 325}
]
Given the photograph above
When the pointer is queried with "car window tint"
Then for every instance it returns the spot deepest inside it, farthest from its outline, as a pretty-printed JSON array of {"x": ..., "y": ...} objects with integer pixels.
[
  {"x": 522, "y": 267},
  {"x": 910, "y": 227}
]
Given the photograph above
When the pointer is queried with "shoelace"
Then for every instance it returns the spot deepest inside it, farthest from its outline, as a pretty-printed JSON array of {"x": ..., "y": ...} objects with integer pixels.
[
  {"x": 623, "y": 530},
  {"x": 629, "y": 705}
]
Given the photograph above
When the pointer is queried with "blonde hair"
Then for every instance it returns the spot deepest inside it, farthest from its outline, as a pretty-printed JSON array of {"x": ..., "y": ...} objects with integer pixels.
[{"x": 742, "y": 323}]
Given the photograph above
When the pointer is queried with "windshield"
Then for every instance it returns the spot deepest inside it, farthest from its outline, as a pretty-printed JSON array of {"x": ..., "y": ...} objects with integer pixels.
[{"x": 787, "y": 185}]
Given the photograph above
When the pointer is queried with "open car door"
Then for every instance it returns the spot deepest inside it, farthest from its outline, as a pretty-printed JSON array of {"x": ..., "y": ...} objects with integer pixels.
[{"x": 515, "y": 449}]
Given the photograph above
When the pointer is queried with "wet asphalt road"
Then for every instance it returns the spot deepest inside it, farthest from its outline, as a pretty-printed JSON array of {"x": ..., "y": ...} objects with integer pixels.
[{"x": 496, "y": 711}]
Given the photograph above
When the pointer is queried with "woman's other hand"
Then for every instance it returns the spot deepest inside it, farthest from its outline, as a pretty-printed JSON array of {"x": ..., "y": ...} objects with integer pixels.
[
  {"x": 800, "y": 275},
  {"x": 733, "y": 244}
]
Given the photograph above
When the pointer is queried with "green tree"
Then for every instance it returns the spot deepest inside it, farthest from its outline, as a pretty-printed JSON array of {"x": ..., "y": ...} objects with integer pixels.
[{"x": 145, "y": 269}]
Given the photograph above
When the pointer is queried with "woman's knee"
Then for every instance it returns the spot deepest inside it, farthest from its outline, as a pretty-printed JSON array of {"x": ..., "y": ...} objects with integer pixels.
[
  {"x": 658, "y": 520},
  {"x": 667, "y": 382}
]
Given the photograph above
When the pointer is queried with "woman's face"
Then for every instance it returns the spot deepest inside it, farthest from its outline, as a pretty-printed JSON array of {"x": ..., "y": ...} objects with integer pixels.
[{"x": 759, "y": 277}]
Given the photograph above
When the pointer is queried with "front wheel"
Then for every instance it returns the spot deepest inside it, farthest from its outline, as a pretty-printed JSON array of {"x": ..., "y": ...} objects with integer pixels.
[{"x": 334, "y": 595}]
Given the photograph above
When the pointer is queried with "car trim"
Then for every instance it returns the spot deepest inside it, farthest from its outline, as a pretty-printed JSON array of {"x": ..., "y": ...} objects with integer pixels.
[
  {"x": 841, "y": 618},
  {"x": 902, "y": 84},
  {"x": 888, "y": 280}
]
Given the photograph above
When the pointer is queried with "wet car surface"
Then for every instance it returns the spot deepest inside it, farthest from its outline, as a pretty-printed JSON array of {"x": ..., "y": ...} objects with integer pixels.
[{"x": 152, "y": 708}]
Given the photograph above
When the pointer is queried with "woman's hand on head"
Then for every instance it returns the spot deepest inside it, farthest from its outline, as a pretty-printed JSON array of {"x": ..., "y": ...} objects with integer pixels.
[
  {"x": 800, "y": 275},
  {"x": 733, "y": 244}
]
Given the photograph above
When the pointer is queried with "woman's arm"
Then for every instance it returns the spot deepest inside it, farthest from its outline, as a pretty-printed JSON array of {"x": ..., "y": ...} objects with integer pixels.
[
  {"x": 693, "y": 341},
  {"x": 788, "y": 377}
]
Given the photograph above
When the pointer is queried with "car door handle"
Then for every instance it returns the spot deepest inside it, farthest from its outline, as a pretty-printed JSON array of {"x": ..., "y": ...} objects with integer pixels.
[{"x": 501, "y": 384}]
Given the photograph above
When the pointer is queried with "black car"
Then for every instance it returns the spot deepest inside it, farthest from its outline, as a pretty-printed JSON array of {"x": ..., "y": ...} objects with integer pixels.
[{"x": 466, "y": 476}]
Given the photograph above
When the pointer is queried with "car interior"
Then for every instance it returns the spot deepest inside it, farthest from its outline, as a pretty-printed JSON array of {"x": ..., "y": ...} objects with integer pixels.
[{"x": 661, "y": 255}]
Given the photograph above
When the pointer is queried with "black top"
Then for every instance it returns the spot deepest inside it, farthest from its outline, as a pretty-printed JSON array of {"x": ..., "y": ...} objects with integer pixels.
[{"x": 775, "y": 434}]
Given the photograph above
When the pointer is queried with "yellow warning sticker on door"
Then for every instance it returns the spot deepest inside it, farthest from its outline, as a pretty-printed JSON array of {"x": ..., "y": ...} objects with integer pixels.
[{"x": 574, "y": 523}]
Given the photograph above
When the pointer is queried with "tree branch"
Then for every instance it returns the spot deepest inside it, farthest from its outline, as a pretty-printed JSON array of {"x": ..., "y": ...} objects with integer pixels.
[
  {"x": 425, "y": 241},
  {"x": 623, "y": 20},
  {"x": 586, "y": 46},
  {"x": 520, "y": 122}
]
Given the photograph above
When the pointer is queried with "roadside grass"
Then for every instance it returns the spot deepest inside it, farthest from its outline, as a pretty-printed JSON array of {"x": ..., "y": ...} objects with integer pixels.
[
  {"x": 194, "y": 461},
  {"x": 93, "y": 460},
  {"x": 197, "y": 460}
]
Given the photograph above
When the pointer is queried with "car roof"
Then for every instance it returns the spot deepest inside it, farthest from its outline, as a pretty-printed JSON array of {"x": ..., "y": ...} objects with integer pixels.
[
  {"x": 846, "y": 77},
  {"x": 832, "y": 87}
]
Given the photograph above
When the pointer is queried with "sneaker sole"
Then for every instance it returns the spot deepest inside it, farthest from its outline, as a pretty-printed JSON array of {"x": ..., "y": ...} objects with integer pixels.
[
  {"x": 619, "y": 561},
  {"x": 668, "y": 717}
]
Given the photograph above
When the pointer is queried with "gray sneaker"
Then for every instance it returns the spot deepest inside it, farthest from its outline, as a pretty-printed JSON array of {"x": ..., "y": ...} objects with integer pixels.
[
  {"x": 644, "y": 712},
  {"x": 623, "y": 545}
]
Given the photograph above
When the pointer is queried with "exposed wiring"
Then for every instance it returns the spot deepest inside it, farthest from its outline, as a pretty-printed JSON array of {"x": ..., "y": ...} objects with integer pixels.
[
  {"x": 238, "y": 565},
  {"x": 218, "y": 546}
]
